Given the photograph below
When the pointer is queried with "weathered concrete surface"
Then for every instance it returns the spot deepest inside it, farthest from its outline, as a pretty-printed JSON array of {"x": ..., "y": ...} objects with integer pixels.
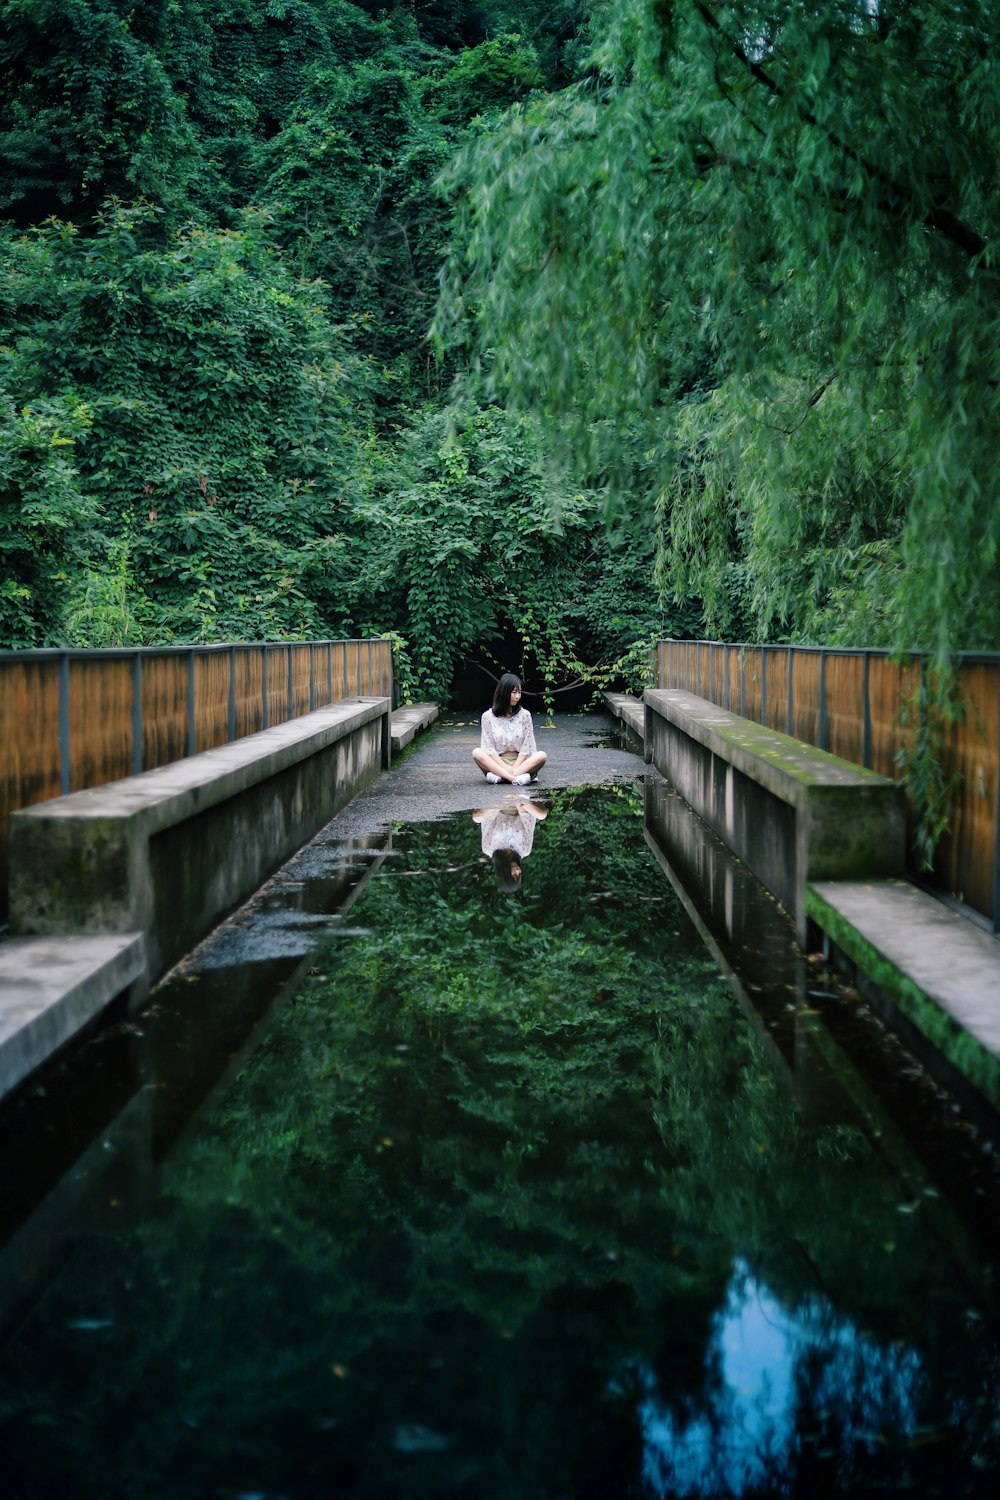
[
  {"x": 631, "y": 714},
  {"x": 440, "y": 777},
  {"x": 409, "y": 721},
  {"x": 169, "y": 852},
  {"x": 793, "y": 813},
  {"x": 51, "y": 987},
  {"x": 940, "y": 970}
]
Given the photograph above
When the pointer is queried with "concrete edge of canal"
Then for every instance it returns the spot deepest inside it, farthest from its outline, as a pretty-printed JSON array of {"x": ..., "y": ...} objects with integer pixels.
[
  {"x": 111, "y": 886},
  {"x": 932, "y": 973}
]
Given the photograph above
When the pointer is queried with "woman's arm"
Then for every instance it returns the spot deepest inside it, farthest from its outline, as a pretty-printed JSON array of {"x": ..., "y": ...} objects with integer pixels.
[
  {"x": 486, "y": 734},
  {"x": 527, "y": 746},
  {"x": 533, "y": 808}
]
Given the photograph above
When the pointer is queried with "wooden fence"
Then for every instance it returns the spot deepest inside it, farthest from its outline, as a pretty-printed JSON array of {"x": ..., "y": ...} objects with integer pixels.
[
  {"x": 852, "y": 703},
  {"x": 76, "y": 719}
]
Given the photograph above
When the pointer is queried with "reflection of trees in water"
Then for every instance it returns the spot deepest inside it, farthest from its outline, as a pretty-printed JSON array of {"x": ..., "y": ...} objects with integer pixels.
[
  {"x": 488, "y": 1195},
  {"x": 780, "y": 1383}
]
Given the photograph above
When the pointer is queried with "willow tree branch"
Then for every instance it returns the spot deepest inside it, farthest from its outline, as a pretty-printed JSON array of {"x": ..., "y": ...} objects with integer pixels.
[{"x": 939, "y": 218}]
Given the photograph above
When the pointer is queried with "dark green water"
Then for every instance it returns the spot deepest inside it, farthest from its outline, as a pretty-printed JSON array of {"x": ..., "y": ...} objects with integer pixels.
[{"x": 507, "y": 1201}]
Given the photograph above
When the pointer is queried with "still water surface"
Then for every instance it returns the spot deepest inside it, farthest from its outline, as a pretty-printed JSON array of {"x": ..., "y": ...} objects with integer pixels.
[{"x": 506, "y": 1199}]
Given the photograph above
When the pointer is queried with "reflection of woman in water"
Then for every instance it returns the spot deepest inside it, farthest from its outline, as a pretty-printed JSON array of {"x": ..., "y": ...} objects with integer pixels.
[
  {"x": 508, "y": 832},
  {"x": 507, "y": 746}
]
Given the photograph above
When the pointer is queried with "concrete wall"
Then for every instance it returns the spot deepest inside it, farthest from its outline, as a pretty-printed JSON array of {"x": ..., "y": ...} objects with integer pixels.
[
  {"x": 792, "y": 813},
  {"x": 170, "y": 852},
  {"x": 752, "y": 940}
]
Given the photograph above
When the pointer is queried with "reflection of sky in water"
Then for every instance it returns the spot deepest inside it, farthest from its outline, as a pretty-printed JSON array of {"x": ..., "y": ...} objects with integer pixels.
[{"x": 761, "y": 1362}]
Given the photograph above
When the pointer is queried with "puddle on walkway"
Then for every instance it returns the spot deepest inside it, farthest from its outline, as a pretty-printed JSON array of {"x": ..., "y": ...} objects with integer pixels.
[{"x": 506, "y": 1197}]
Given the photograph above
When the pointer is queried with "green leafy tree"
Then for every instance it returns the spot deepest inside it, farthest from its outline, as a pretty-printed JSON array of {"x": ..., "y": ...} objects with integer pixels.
[
  {"x": 89, "y": 109},
  {"x": 45, "y": 515},
  {"x": 471, "y": 550},
  {"x": 217, "y": 417},
  {"x": 756, "y": 244}
]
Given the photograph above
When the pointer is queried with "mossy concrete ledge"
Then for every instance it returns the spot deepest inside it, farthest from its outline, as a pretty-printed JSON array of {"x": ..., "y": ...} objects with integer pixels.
[
  {"x": 793, "y": 813},
  {"x": 631, "y": 714},
  {"x": 50, "y": 988},
  {"x": 409, "y": 721},
  {"x": 939, "y": 971},
  {"x": 171, "y": 852}
]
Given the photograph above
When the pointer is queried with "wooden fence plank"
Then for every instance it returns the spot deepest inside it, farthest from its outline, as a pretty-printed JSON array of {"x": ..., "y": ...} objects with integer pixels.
[
  {"x": 805, "y": 697},
  {"x": 776, "y": 716},
  {"x": 29, "y": 744},
  {"x": 164, "y": 709},
  {"x": 249, "y": 679},
  {"x": 751, "y": 671},
  {"x": 100, "y": 721},
  {"x": 845, "y": 706},
  {"x": 965, "y": 858},
  {"x": 211, "y": 700}
]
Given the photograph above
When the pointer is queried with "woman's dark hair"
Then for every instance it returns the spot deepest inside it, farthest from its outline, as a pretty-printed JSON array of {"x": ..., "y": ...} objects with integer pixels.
[
  {"x": 501, "y": 698},
  {"x": 503, "y": 859}
]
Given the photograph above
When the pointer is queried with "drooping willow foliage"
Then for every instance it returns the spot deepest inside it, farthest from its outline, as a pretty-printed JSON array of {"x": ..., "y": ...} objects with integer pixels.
[{"x": 747, "y": 266}]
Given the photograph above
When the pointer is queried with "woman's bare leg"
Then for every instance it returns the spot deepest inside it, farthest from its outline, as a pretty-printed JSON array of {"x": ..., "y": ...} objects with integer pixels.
[
  {"x": 530, "y": 765},
  {"x": 487, "y": 762}
]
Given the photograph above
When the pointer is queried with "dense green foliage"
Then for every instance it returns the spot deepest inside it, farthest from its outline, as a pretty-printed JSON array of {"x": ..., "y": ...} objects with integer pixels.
[
  {"x": 755, "y": 245},
  {"x": 732, "y": 261},
  {"x": 221, "y": 414}
]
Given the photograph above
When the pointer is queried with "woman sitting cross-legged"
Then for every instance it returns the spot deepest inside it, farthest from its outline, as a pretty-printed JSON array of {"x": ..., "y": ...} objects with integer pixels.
[{"x": 507, "y": 746}]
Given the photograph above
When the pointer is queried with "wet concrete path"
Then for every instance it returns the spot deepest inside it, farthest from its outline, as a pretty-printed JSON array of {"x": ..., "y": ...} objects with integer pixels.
[
  {"x": 312, "y": 894},
  {"x": 437, "y": 776}
]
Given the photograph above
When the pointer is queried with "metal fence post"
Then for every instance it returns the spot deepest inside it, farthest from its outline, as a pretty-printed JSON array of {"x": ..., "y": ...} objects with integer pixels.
[
  {"x": 822, "y": 701},
  {"x": 263, "y": 687},
  {"x": 312, "y": 677},
  {"x": 329, "y": 671},
  {"x": 790, "y": 716},
  {"x": 743, "y": 682},
  {"x": 725, "y": 676},
  {"x": 347, "y": 689},
  {"x": 763, "y": 684},
  {"x": 866, "y": 712},
  {"x": 358, "y": 644},
  {"x": 137, "y": 714},
  {"x": 291, "y": 684},
  {"x": 231, "y": 726}
]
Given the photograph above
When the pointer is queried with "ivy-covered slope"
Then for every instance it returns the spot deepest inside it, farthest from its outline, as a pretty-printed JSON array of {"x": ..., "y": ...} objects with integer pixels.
[{"x": 221, "y": 417}]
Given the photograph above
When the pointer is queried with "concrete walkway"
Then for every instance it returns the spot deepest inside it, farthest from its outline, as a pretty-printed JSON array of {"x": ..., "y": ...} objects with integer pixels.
[{"x": 438, "y": 776}]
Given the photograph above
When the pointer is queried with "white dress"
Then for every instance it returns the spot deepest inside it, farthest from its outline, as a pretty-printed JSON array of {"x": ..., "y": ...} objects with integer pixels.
[
  {"x": 507, "y": 828},
  {"x": 500, "y": 736}
]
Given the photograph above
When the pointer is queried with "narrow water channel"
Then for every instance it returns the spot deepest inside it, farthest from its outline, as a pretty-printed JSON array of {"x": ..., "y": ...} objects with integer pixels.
[{"x": 505, "y": 1195}]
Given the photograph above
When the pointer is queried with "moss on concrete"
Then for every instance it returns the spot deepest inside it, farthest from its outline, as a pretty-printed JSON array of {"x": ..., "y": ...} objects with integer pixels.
[
  {"x": 968, "y": 1055},
  {"x": 804, "y": 762}
]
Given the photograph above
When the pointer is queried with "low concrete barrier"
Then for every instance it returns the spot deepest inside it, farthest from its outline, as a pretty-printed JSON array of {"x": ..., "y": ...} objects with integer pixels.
[
  {"x": 407, "y": 723},
  {"x": 931, "y": 974},
  {"x": 794, "y": 814},
  {"x": 630, "y": 713},
  {"x": 171, "y": 852},
  {"x": 50, "y": 988}
]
